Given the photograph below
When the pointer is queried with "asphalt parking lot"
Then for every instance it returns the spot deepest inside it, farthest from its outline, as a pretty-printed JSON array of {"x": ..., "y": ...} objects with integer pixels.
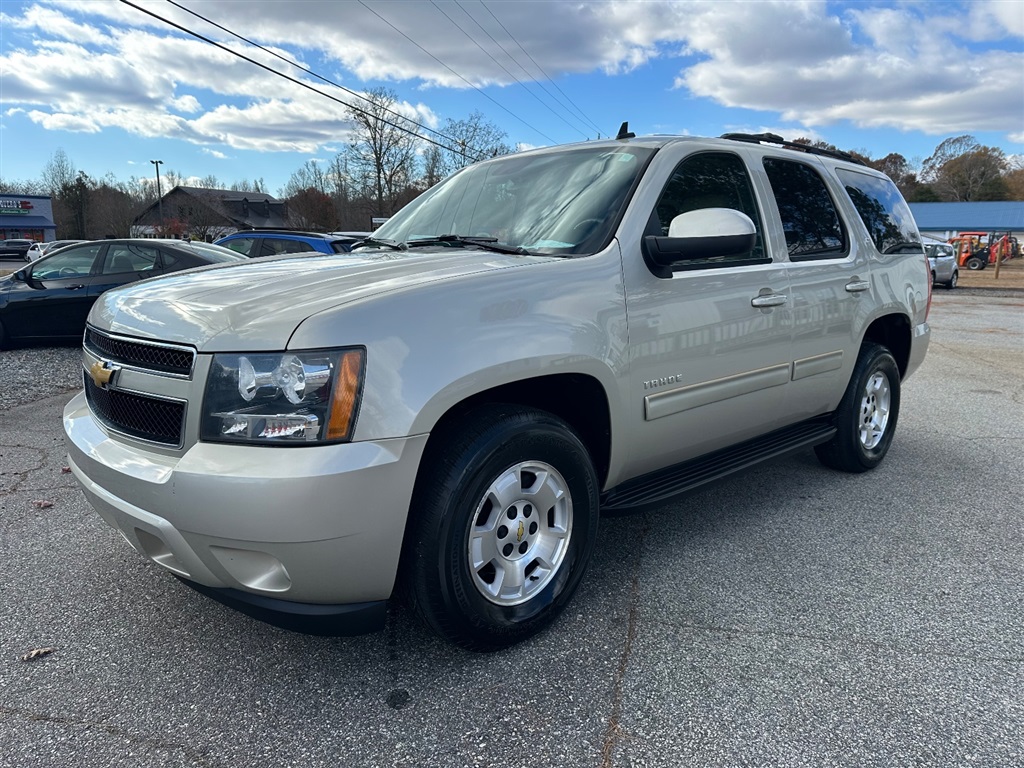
[{"x": 791, "y": 616}]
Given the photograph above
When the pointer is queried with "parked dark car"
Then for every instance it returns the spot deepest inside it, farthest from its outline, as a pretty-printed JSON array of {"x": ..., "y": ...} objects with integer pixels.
[
  {"x": 271, "y": 242},
  {"x": 51, "y": 297},
  {"x": 15, "y": 247}
]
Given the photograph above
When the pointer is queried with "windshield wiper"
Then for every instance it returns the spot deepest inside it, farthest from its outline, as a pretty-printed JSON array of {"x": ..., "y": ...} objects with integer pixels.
[
  {"x": 486, "y": 243},
  {"x": 393, "y": 244}
]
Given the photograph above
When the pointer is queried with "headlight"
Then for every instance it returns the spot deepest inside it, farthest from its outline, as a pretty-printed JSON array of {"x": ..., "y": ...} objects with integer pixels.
[{"x": 283, "y": 398}]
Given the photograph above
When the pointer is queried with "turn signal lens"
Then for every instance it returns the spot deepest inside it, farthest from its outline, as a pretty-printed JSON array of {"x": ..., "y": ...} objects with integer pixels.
[{"x": 346, "y": 395}]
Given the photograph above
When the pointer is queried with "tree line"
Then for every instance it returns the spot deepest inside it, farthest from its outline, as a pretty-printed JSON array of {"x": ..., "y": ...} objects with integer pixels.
[
  {"x": 960, "y": 170},
  {"x": 390, "y": 160}
]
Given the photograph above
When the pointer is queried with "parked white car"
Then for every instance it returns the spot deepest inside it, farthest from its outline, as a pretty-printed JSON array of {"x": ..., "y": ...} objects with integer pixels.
[
  {"x": 942, "y": 262},
  {"x": 36, "y": 250}
]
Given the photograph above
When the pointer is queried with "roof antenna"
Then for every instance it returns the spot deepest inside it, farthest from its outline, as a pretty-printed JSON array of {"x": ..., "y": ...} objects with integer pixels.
[{"x": 624, "y": 132}]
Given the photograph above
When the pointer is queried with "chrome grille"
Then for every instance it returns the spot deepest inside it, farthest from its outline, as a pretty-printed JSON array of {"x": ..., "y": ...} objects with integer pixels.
[
  {"x": 156, "y": 357},
  {"x": 141, "y": 416}
]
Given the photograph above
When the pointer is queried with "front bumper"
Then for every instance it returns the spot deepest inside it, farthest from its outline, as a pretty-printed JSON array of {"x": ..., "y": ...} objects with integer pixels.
[{"x": 267, "y": 529}]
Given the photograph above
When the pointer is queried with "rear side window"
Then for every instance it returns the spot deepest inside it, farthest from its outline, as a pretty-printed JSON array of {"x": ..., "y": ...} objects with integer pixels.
[
  {"x": 273, "y": 246},
  {"x": 883, "y": 210},
  {"x": 130, "y": 258},
  {"x": 809, "y": 217}
]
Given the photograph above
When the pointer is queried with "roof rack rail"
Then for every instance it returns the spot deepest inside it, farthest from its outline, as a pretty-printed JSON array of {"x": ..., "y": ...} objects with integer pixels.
[{"x": 774, "y": 138}]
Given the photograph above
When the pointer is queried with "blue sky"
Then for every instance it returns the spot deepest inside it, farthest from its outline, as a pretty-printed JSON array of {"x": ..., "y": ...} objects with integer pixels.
[{"x": 115, "y": 88}]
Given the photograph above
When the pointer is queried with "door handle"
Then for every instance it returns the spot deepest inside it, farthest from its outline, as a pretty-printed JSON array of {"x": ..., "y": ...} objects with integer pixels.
[
  {"x": 856, "y": 286},
  {"x": 769, "y": 300},
  {"x": 75, "y": 287}
]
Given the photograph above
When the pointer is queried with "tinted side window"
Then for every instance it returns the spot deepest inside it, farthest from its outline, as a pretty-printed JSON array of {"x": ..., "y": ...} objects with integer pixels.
[
  {"x": 710, "y": 180},
  {"x": 882, "y": 209},
  {"x": 70, "y": 262},
  {"x": 130, "y": 258},
  {"x": 809, "y": 217},
  {"x": 273, "y": 246},
  {"x": 241, "y": 245}
]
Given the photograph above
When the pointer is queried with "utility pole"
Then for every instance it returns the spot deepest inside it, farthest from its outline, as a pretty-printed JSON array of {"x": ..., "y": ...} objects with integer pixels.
[{"x": 159, "y": 194}]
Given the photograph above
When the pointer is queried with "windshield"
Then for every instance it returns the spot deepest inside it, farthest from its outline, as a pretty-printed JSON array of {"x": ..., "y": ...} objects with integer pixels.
[{"x": 563, "y": 202}]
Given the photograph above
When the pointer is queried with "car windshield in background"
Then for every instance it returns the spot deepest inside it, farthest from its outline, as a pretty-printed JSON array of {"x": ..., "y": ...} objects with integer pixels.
[{"x": 561, "y": 202}]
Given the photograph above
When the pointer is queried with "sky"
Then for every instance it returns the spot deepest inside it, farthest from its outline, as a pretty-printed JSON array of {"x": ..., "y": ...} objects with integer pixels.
[{"x": 116, "y": 87}]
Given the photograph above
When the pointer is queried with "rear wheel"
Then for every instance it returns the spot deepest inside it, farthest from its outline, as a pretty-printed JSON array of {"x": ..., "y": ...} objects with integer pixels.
[
  {"x": 505, "y": 518},
  {"x": 866, "y": 417}
]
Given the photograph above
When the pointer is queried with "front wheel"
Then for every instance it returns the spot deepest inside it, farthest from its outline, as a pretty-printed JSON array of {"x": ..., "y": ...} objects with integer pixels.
[
  {"x": 975, "y": 263},
  {"x": 951, "y": 283},
  {"x": 866, "y": 417},
  {"x": 504, "y": 523}
]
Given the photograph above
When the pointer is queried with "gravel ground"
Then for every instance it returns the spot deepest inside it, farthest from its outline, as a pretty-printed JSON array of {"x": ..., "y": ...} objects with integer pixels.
[{"x": 32, "y": 373}]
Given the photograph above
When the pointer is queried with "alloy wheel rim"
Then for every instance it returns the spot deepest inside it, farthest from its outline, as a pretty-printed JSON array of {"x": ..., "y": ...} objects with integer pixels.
[
  {"x": 874, "y": 410},
  {"x": 519, "y": 534}
]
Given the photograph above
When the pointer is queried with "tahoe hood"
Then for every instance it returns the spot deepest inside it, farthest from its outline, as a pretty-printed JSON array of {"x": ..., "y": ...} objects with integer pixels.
[{"x": 257, "y": 305}]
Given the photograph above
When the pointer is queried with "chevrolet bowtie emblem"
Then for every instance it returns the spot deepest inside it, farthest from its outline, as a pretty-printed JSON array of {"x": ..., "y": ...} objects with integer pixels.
[{"x": 103, "y": 373}]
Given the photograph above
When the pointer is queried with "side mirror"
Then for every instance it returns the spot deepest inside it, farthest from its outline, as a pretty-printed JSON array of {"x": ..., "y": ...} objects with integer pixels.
[
  {"x": 698, "y": 235},
  {"x": 21, "y": 275}
]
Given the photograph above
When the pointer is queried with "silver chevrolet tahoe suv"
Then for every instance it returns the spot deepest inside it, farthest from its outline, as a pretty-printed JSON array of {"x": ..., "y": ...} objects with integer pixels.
[{"x": 444, "y": 412}]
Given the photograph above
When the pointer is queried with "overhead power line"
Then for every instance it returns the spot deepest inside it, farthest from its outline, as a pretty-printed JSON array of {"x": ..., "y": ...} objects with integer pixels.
[
  {"x": 308, "y": 71},
  {"x": 488, "y": 54},
  {"x": 539, "y": 67},
  {"x": 463, "y": 79},
  {"x": 307, "y": 86}
]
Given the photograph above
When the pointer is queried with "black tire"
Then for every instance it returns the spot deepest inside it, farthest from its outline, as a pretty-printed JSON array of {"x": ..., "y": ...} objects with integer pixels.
[
  {"x": 3, "y": 336},
  {"x": 951, "y": 283},
  {"x": 866, "y": 417},
  {"x": 974, "y": 264},
  {"x": 456, "y": 512}
]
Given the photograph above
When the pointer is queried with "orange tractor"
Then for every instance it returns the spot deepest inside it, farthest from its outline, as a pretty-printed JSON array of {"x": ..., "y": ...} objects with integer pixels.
[{"x": 976, "y": 250}]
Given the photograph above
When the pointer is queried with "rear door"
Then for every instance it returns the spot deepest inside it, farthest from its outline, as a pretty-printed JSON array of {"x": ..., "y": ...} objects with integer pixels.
[
  {"x": 830, "y": 279},
  {"x": 125, "y": 263}
]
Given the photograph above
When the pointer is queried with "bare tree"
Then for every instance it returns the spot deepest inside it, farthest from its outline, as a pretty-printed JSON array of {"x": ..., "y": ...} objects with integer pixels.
[
  {"x": 312, "y": 209},
  {"x": 244, "y": 185},
  {"x": 467, "y": 141},
  {"x": 113, "y": 208},
  {"x": 963, "y": 170},
  {"x": 58, "y": 172},
  {"x": 308, "y": 176},
  {"x": 26, "y": 187},
  {"x": 382, "y": 156}
]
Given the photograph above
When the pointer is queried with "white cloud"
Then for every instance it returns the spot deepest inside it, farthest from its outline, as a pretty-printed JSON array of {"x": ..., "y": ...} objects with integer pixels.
[
  {"x": 214, "y": 153},
  {"x": 808, "y": 63},
  {"x": 55, "y": 24},
  {"x": 187, "y": 103},
  {"x": 893, "y": 79},
  {"x": 60, "y": 121}
]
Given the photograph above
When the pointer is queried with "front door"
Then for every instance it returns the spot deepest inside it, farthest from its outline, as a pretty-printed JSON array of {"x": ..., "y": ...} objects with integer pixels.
[
  {"x": 710, "y": 345},
  {"x": 54, "y": 299}
]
